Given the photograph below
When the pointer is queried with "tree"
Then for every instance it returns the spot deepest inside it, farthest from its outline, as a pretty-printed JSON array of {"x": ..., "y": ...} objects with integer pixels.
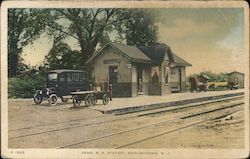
[
  {"x": 94, "y": 26},
  {"x": 140, "y": 28},
  {"x": 61, "y": 56},
  {"x": 23, "y": 28},
  {"x": 88, "y": 26}
]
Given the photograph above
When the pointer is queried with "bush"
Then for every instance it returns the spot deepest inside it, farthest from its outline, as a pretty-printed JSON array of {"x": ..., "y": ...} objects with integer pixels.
[{"x": 24, "y": 87}]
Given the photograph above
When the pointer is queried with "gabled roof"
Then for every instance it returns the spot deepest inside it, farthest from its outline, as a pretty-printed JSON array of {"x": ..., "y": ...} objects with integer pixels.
[
  {"x": 157, "y": 52},
  {"x": 235, "y": 72},
  {"x": 145, "y": 54},
  {"x": 180, "y": 62},
  {"x": 132, "y": 52}
]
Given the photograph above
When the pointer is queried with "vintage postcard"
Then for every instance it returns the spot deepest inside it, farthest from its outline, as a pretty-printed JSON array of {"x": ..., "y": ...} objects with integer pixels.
[{"x": 124, "y": 79}]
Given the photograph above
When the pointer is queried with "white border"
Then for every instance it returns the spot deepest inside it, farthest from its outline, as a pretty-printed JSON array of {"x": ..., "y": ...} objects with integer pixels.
[{"x": 77, "y": 153}]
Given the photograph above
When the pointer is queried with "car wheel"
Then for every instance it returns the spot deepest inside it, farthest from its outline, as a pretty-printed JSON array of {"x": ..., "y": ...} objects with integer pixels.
[
  {"x": 38, "y": 98},
  {"x": 53, "y": 99}
]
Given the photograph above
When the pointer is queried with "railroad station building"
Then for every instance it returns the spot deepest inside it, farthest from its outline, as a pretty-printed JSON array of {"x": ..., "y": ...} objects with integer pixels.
[
  {"x": 149, "y": 70},
  {"x": 236, "y": 78}
]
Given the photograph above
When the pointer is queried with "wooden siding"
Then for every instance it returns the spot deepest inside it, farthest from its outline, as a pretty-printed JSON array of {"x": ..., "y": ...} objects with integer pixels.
[
  {"x": 101, "y": 67},
  {"x": 134, "y": 81},
  {"x": 127, "y": 85},
  {"x": 146, "y": 74},
  {"x": 111, "y": 57},
  {"x": 175, "y": 78}
]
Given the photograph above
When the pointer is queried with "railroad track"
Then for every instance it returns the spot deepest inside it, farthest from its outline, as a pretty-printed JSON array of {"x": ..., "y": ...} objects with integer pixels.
[
  {"x": 231, "y": 109},
  {"x": 157, "y": 110},
  {"x": 176, "y": 129},
  {"x": 21, "y": 133}
]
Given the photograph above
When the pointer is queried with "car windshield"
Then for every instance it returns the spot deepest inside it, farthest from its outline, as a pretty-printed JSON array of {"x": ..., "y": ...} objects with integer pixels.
[{"x": 52, "y": 76}]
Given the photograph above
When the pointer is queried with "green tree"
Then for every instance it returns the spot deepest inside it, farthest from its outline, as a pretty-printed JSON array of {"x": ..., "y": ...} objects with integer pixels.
[
  {"x": 92, "y": 28},
  {"x": 140, "y": 28},
  {"x": 23, "y": 28},
  {"x": 61, "y": 56},
  {"x": 89, "y": 26},
  {"x": 95, "y": 26}
]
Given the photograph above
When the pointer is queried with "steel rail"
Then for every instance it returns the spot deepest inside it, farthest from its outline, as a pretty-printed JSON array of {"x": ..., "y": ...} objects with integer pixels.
[
  {"x": 132, "y": 116},
  {"x": 176, "y": 130},
  {"x": 71, "y": 127},
  {"x": 151, "y": 124}
]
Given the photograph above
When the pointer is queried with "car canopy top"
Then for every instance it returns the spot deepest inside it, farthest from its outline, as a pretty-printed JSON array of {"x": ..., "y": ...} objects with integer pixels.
[{"x": 64, "y": 70}]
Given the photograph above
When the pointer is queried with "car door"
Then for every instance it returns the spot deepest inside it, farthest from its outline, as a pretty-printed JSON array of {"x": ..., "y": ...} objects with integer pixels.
[{"x": 62, "y": 85}]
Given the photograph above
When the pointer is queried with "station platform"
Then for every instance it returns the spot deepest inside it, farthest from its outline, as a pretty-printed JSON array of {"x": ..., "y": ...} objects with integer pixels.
[{"x": 145, "y": 102}]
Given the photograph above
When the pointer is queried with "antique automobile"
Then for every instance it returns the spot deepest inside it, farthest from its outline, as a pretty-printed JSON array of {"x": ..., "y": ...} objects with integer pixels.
[{"x": 60, "y": 83}]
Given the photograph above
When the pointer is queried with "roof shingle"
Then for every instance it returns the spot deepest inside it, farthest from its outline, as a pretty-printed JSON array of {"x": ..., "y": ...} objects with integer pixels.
[{"x": 146, "y": 54}]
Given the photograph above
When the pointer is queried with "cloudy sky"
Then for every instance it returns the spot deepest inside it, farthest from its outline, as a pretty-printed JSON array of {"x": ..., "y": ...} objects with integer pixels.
[{"x": 210, "y": 39}]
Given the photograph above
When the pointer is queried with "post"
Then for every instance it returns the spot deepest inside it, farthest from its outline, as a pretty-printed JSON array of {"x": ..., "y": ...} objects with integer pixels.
[
  {"x": 90, "y": 87},
  {"x": 110, "y": 92}
]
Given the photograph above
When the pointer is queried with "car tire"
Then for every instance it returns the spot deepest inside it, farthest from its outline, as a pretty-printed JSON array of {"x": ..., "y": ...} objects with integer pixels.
[
  {"x": 38, "y": 98},
  {"x": 53, "y": 99}
]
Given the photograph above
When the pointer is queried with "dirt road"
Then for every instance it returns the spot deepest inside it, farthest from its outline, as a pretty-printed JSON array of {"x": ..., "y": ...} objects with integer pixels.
[{"x": 61, "y": 126}]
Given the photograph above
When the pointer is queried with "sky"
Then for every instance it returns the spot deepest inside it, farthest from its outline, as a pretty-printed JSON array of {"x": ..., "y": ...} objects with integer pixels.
[{"x": 211, "y": 39}]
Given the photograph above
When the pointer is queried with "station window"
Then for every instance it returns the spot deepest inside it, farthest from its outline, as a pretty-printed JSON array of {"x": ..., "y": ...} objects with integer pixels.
[{"x": 155, "y": 77}]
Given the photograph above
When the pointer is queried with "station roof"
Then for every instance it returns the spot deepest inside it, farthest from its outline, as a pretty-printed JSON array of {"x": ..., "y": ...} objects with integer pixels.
[
  {"x": 157, "y": 53},
  {"x": 132, "y": 52},
  {"x": 146, "y": 54},
  {"x": 180, "y": 61},
  {"x": 235, "y": 72}
]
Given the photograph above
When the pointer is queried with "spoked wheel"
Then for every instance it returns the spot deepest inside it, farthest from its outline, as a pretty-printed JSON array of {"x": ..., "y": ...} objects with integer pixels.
[
  {"x": 105, "y": 99},
  {"x": 94, "y": 99},
  {"x": 53, "y": 99},
  {"x": 64, "y": 100},
  {"x": 76, "y": 101},
  {"x": 38, "y": 98},
  {"x": 89, "y": 100}
]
